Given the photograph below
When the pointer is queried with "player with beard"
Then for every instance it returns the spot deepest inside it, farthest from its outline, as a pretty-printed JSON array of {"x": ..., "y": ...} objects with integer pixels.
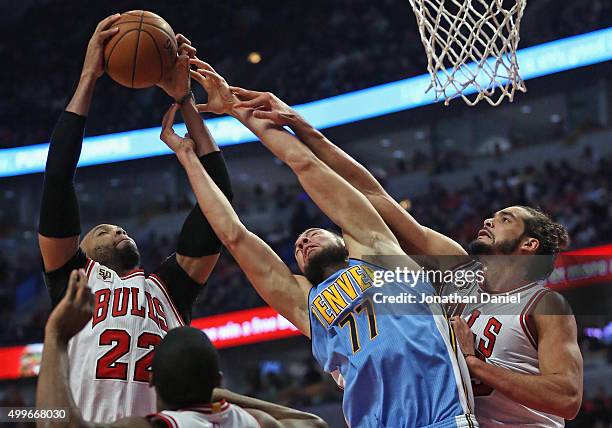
[
  {"x": 110, "y": 359},
  {"x": 531, "y": 370},
  {"x": 188, "y": 393},
  {"x": 523, "y": 354},
  {"x": 397, "y": 370}
]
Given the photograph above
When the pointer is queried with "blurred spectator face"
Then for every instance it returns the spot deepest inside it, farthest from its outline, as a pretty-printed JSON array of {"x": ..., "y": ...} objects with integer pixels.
[
  {"x": 316, "y": 250},
  {"x": 111, "y": 246},
  {"x": 501, "y": 234}
]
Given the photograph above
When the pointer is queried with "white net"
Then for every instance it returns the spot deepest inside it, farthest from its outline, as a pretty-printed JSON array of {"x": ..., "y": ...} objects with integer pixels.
[{"x": 471, "y": 48}]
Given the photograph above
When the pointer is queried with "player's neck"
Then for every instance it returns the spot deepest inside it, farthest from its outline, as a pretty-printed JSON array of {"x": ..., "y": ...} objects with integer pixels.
[
  {"x": 332, "y": 269},
  {"x": 504, "y": 273},
  {"x": 122, "y": 271}
]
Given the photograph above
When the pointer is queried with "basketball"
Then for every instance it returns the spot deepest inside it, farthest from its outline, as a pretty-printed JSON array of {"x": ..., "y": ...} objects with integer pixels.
[{"x": 142, "y": 51}]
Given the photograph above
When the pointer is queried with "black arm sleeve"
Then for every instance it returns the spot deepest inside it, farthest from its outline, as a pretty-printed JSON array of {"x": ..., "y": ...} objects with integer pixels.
[
  {"x": 57, "y": 280},
  {"x": 59, "y": 210},
  {"x": 182, "y": 289},
  {"x": 197, "y": 237}
]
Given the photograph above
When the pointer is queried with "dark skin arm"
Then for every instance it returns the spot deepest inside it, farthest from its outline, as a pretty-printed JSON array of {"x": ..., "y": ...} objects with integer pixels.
[
  {"x": 413, "y": 237},
  {"x": 57, "y": 251},
  {"x": 558, "y": 388},
  {"x": 177, "y": 85},
  {"x": 270, "y": 415},
  {"x": 69, "y": 317}
]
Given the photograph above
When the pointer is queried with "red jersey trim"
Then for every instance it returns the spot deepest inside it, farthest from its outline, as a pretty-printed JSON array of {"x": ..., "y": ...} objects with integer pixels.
[
  {"x": 133, "y": 273},
  {"x": 89, "y": 267},
  {"x": 170, "y": 423},
  {"x": 525, "y": 313},
  {"x": 157, "y": 281}
]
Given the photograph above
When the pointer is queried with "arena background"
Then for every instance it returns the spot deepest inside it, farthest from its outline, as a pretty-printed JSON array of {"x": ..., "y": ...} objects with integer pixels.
[{"x": 451, "y": 166}]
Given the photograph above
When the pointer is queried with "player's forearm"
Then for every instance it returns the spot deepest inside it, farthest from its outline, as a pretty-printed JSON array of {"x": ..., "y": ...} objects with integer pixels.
[
  {"x": 81, "y": 100},
  {"x": 317, "y": 179},
  {"x": 278, "y": 412},
  {"x": 547, "y": 393},
  {"x": 281, "y": 143},
  {"x": 59, "y": 221},
  {"x": 336, "y": 158},
  {"x": 53, "y": 389},
  {"x": 198, "y": 131},
  {"x": 214, "y": 204}
]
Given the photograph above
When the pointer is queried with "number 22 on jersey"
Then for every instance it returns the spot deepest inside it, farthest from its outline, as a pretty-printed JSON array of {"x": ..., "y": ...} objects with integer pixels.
[{"x": 108, "y": 367}]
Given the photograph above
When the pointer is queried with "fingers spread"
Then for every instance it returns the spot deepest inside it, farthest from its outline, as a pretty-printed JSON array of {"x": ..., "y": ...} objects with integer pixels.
[
  {"x": 201, "y": 64},
  {"x": 203, "y": 108},
  {"x": 260, "y": 114},
  {"x": 168, "y": 120},
  {"x": 197, "y": 62},
  {"x": 82, "y": 290},
  {"x": 180, "y": 38},
  {"x": 72, "y": 284},
  {"x": 245, "y": 94},
  {"x": 108, "y": 21},
  {"x": 260, "y": 101},
  {"x": 108, "y": 33},
  {"x": 210, "y": 74},
  {"x": 187, "y": 49},
  {"x": 198, "y": 77},
  {"x": 82, "y": 277}
]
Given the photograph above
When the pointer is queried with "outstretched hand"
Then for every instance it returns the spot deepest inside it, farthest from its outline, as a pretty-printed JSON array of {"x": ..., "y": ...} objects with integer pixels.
[
  {"x": 464, "y": 335},
  {"x": 177, "y": 144},
  {"x": 94, "y": 57},
  {"x": 221, "y": 100},
  {"x": 266, "y": 106},
  {"x": 74, "y": 311},
  {"x": 177, "y": 83}
]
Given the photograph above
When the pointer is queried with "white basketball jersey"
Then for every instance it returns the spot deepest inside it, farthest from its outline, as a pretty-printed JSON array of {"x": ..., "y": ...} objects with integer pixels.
[
  {"x": 110, "y": 359},
  {"x": 503, "y": 338},
  {"x": 218, "y": 415}
]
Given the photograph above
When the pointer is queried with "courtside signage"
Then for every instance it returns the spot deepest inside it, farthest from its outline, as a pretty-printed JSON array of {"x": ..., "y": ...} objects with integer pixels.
[{"x": 265, "y": 324}]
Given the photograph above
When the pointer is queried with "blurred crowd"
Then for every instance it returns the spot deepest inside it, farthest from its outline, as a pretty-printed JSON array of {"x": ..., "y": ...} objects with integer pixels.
[
  {"x": 576, "y": 194},
  {"x": 306, "y": 51}
]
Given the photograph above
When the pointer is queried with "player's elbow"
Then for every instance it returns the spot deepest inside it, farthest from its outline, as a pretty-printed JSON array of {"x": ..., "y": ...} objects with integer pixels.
[
  {"x": 301, "y": 162},
  {"x": 312, "y": 422},
  {"x": 233, "y": 235},
  {"x": 319, "y": 423},
  {"x": 571, "y": 404}
]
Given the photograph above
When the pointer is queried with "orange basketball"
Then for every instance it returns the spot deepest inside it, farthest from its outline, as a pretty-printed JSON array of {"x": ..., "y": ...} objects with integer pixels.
[{"x": 142, "y": 51}]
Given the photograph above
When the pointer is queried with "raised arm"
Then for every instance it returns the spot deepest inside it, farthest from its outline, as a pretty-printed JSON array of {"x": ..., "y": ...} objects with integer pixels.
[
  {"x": 59, "y": 223},
  {"x": 286, "y": 293},
  {"x": 270, "y": 415},
  {"x": 340, "y": 201},
  {"x": 413, "y": 237},
  {"x": 198, "y": 247}
]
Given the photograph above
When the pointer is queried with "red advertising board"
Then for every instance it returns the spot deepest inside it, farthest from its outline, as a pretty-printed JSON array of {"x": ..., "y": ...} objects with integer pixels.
[{"x": 574, "y": 269}]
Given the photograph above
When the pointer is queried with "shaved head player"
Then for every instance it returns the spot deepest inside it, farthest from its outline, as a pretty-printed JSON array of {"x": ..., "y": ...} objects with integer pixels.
[
  {"x": 527, "y": 364},
  {"x": 110, "y": 359},
  {"x": 187, "y": 393}
]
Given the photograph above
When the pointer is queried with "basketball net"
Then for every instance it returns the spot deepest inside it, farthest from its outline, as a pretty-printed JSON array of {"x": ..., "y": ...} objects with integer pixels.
[{"x": 471, "y": 47}]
